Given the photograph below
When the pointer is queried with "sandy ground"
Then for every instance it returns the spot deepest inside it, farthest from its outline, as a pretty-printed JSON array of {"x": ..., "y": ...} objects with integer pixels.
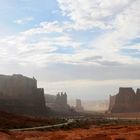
[{"x": 109, "y": 132}]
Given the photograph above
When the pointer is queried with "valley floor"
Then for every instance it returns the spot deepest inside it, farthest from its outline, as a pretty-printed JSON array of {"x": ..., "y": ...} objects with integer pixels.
[{"x": 105, "y": 132}]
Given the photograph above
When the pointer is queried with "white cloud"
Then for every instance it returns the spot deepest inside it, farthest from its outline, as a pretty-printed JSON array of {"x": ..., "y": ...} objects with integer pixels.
[
  {"x": 40, "y": 45},
  {"x": 48, "y": 27},
  {"x": 60, "y": 56},
  {"x": 39, "y": 50},
  {"x": 79, "y": 84},
  {"x": 126, "y": 29},
  {"x": 93, "y": 13},
  {"x": 88, "y": 89},
  {"x": 24, "y": 20}
]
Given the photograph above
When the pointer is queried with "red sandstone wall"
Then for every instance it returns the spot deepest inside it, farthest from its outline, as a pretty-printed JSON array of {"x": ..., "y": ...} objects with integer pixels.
[
  {"x": 19, "y": 94},
  {"x": 126, "y": 101}
]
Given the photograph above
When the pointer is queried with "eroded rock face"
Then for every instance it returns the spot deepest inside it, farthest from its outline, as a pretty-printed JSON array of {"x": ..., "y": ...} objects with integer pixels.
[
  {"x": 19, "y": 94},
  {"x": 59, "y": 104},
  {"x": 79, "y": 107},
  {"x": 126, "y": 101},
  {"x": 112, "y": 101},
  {"x": 137, "y": 100}
]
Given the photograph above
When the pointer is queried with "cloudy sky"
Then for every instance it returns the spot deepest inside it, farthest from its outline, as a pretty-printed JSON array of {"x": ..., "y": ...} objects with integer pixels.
[{"x": 88, "y": 48}]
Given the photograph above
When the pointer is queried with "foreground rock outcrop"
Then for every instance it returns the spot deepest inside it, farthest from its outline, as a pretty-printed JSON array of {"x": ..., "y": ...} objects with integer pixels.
[
  {"x": 20, "y": 95},
  {"x": 126, "y": 101}
]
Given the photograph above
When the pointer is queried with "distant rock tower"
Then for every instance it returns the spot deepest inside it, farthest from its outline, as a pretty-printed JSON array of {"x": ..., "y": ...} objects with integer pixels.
[
  {"x": 65, "y": 98},
  {"x": 79, "y": 107},
  {"x": 61, "y": 98},
  {"x": 111, "y": 102},
  {"x": 59, "y": 104}
]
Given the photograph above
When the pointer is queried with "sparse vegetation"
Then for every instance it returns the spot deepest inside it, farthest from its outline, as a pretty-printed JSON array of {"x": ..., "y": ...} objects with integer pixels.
[{"x": 11, "y": 121}]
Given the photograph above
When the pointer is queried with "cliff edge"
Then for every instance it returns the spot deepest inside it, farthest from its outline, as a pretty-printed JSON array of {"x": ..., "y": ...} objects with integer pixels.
[{"x": 20, "y": 95}]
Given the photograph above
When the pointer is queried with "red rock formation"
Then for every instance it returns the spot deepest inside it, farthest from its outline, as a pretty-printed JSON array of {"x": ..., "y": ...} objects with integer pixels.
[
  {"x": 112, "y": 102},
  {"x": 19, "y": 94},
  {"x": 79, "y": 107},
  {"x": 59, "y": 104},
  {"x": 126, "y": 101},
  {"x": 137, "y": 100}
]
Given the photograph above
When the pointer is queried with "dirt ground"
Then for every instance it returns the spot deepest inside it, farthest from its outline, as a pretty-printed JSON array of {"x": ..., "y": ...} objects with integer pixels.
[{"x": 109, "y": 132}]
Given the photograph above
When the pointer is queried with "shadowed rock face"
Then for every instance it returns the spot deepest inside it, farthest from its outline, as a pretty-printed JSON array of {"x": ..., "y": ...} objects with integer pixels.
[
  {"x": 19, "y": 94},
  {"x": 126, "y": 101},
  {"x": 59, "y": 104},
  {"x": 137, "y": 100},
  {"x": 79, "y": 107}
]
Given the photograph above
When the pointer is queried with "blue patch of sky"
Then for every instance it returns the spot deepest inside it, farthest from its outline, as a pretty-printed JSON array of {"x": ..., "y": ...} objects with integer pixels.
[
  {"x": 86, "y": 35},
  {"x": 131, "y": 52},
  {"x": 65, "y": 50},
  {"x": 134, "y": 41},
  {"x": 40, "y": 10},
  {"x": 43, "y": 36},
  {"x": 53, "y": 35}
]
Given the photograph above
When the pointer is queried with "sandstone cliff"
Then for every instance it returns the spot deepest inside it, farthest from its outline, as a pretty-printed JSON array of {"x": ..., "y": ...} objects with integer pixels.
[
  {"x": 112, "y": 102},
  {"x": 137, "y": 100},
  {"x": 126, "y": 101},
  {"x": 19, "y": 94}
]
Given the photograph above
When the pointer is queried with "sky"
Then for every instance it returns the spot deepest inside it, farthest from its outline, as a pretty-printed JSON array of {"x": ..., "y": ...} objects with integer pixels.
[{"x": 88, "y": 48}]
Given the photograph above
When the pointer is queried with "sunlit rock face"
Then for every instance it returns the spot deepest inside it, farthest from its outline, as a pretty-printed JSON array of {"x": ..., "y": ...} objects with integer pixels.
[
  {"x": 112, "y": 102},
  {"x": 126, "y": 101},
  {"x": 137, "y": 100},
  {"x": 19, "y": 94}
]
